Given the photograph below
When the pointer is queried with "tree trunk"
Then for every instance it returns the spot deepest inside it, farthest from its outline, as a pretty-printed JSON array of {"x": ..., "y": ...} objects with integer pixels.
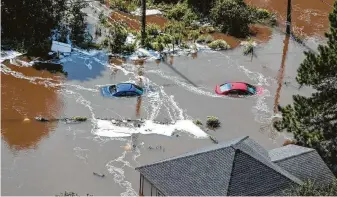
[{"x": 143, "y": 22}]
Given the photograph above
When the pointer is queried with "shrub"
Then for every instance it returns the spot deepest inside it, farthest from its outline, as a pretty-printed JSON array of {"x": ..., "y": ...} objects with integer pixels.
[
  {"x": 79, "y": 118},
  {"x": 205, "y": 38},
  {"x": 232, "y": 17},
  {"x": 197, "y": 122},
  {"x": 193, "y": 35},
  {"x": 249, "y": 47},
  {"x": 152, "y": 29},
  {"x": 309, "y": 188},
  {"x": 181, "y": 12},
  {"x": 212, "y": 122},
  {"x": 263, "y": 16},
  {"x": 115, "y": 38},
  {"x": 207, "y": 29},
  {"x": 218, "y": 45},
  {"x": 129, "y": 48}
]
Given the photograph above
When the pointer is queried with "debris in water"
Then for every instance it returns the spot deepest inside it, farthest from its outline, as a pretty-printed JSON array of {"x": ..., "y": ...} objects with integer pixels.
[
  {"x": 41, "y": 119},
  {"x": 99, "y": 174}
]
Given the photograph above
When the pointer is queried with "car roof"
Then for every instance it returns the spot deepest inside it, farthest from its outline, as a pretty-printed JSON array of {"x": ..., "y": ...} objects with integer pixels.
[
  {"x": 122, "y": 87},
  {"x": 238, "y": 86}
]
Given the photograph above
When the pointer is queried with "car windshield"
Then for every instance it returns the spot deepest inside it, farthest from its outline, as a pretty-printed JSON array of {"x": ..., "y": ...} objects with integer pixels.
[
  {"x": 112, "y": 88},
  {"x": 225, "y": 87},
  {"x": 251, "y": 89}
]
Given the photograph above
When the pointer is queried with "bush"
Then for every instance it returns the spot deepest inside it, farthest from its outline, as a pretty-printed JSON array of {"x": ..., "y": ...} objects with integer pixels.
[
  {"x": 263, "y": 16},
  {"x": 122, "y": 5},
  {"x": 197, "y": 122},
  {"x": 205, "y": 38},
  {"x": 152, "y": 29},
  {"x": 115, "y": 38},
  {"x": 79, "y": 118},
  {"x": 218, "y": 45},
  {"x": 232, "y": 17},
  {"x": 129, "y": 48},
  {"x": 207, "y": 29},
  {"x": 309, "y": 188},
  {"x": 213, "y": 122},
  {"x": 193, "y": 35},
  {"x": 249, "y": 47},
  {"x": 181, "y": 12}
]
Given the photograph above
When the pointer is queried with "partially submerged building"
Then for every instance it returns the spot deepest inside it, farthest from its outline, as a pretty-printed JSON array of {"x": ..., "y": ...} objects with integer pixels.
[{"x": 240, "y": 167}]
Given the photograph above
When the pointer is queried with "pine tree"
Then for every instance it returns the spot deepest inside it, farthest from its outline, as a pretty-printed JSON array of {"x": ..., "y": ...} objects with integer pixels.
[{"x": 313, "y": 120}]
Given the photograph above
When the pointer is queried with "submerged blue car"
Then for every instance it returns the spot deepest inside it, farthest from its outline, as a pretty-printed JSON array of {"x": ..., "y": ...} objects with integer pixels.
[{"x": 122, "y": 90}]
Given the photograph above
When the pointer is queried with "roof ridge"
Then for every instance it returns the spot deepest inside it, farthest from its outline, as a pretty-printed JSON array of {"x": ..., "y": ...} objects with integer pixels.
[
  {"x": 277, "y": 171},
  {"x": 275, "y": 165},
  {"x": 198, "y": 153},
  {"x": 309, "y": 151}
]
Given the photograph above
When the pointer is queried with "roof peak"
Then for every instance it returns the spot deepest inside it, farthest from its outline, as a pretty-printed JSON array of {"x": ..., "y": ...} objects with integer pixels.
[{"x": 221, "y": 145}]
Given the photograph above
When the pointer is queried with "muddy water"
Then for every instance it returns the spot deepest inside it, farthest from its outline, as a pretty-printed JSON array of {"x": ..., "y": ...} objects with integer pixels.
[
  {"x": 134, "y": 21},
  {"x": 309, "y": 18},
  {"x": 180, "y": 89}
]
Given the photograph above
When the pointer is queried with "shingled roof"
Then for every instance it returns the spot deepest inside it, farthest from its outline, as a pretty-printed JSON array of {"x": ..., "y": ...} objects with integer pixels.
[{"x": 237, "y": 167}]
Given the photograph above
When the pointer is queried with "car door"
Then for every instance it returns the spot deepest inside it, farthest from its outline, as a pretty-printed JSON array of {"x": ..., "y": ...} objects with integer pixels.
[
  {"x": 130, "y": 93},
  {"x": 233, "y": 93}
]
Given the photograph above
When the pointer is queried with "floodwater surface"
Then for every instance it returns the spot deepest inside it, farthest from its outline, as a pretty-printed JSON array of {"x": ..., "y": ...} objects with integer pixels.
[{"x": 48, "y": 158}]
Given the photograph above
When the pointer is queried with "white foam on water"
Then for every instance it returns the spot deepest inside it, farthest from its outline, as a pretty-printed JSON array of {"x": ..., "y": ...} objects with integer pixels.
[
  {"x": 5, "y": 55},
  {"x": 119, "y": 176},
  {"x": 106, "y": 128},
  {"x": 188, "y": 87}
]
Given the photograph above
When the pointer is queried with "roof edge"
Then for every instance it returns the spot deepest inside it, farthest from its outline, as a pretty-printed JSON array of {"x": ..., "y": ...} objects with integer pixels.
[
  {"x": 292, "y": 156},
  {"x": 173, "y": 158}
]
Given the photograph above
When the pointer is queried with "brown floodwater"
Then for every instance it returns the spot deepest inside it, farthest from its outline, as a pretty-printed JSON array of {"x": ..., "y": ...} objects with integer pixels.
[
  {"x": 21, "y": 102},
  {"x": 309, "y": 17},
  {"x": 134, "y": 21}
]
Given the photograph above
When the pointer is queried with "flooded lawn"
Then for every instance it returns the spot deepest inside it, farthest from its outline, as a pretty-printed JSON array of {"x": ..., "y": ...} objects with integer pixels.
[{"x": 309, "y": 18}]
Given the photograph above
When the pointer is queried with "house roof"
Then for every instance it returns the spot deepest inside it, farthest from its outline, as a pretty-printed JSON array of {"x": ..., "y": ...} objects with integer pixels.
[
  {"x": 237, "y": 167},
  {"x": 304, "y": 163}
]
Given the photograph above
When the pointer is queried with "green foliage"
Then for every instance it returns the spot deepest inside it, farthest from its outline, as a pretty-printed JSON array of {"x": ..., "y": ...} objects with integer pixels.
[
  {"x": 30, "y": 25},
  {"x": 79, "y": 118},
  {"x": 193, "y": 35},
  {"x": 232, "y": 17},
  {"x": 205, "y": 38},
  {"x": 263, "y": 16},
  {"x": 77, "y": 24},
  {"x": 125, "y": 6},
  {"x": 218, "y": 45},
  {"x": 311, "y": 189},
  {"x": 213, "y": 122},
  {"x": 27, "y": 25},
  {"x": 116, "y": 37},
  {"x": 207, "y": 29},
  {"x": 175, "y": 29},
  {"x": 249, "y": 47},
  {"x": 181, "y": 12},
  {"x": 197, "y": 122},
  {"x": 313, "y": 120}
]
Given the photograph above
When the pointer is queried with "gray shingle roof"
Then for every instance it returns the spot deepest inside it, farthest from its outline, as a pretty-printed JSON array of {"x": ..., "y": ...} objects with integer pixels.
[
  {"x": 238, "y": 167},
  {"x": 304, "y": 163}
]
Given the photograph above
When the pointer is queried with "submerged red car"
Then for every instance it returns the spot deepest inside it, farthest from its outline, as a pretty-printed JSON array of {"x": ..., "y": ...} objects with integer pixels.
[{"x": 238, "y": 89}]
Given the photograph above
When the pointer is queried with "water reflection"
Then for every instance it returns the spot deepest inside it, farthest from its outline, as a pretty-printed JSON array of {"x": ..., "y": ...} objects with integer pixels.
[
  {"x": 281, "y": 73},
  {"x": 21, "y": 102},
  {"x": 140, "y": 74}
]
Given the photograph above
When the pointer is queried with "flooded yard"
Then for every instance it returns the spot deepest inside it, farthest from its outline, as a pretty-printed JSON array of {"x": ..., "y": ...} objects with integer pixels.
[{"x": 48, "y": 158}]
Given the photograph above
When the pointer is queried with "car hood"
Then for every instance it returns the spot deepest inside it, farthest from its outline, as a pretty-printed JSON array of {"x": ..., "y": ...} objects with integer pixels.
[{"x": 105, "y": 91}]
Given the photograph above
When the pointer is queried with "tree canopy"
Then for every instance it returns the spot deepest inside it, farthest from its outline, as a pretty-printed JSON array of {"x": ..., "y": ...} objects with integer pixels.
[
  {"x": 313, "y": 120},
  {"x": 30, "y": 25}
]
